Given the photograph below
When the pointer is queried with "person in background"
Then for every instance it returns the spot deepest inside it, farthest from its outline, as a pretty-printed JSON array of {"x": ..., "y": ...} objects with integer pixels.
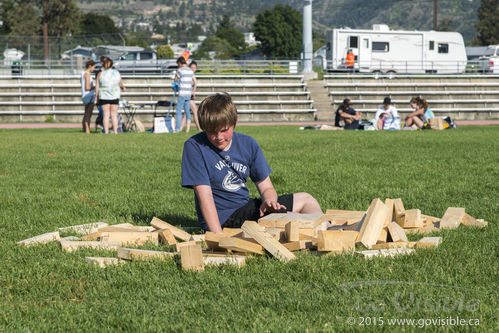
[
  {"x": 346, "y": 116},
  {"x": 193, "y": 66},
  {"x": 107, "y": 90},
  {"x": 184, "y": 77},
  {"x": 387, "y": 110},
  {"x": 87, "y": 94},
  {"x": 350, "y": 59},
  {"x": 421, "y": 113}
]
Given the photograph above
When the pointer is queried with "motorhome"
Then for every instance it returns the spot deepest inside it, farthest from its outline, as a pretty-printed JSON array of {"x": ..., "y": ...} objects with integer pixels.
[{"x": 382, "y": 50}]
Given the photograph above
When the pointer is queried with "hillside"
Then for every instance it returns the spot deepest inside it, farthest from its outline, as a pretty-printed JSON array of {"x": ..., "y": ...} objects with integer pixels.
[{"x": 454, "y": 15}]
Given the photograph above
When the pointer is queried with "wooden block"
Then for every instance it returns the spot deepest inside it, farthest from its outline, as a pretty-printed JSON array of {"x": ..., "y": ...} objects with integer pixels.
[
  {"x": 277, "y": 233},
  {"x": 225, "y": 260},
  {"x": 391, "y": 208},
  {"x": 232, "y": 232},
  {"x": 336, "y": 240},
  {"x": 136, "y": 254},
  {"x": 198, "y": 238},
  {"x": 337, "y": 217},
  {"x": 192, "y": 257},
  {"x": 299, "y": 245},
  {"x": 397, "y": 233},
  {"x": 436, "y": 123},
  {"x": 429, "y": 242},
  {"x": 103, "y": 262},
  {"x": 392, "y": 245},
  {"x": 71, "y": 238},
  {"x": 240, "y": 245},
  {"x": 292, "y": 231},
  {"x": 267, "y": 241},
  {"x": 384, "y": 252},
  {"x": 211, "y": 239},
  {"x": 88, "y": 228},
  {"x": 412, "y": 219},
  {"x": 129, "y": 237},
  {"x": 113, "y": 228},
  {"x": 429, "y": 218},
  {"x": 280, "y": 221},
  {"x": 452, "y": 218},
  {"x": 166, "y": 237},
  {"x": 123, "y": 226},
  {"x": 373, "y": 223},
  {"x": 270, "y": 221},
  {"x": 71, "y": 246},
  {"x": 470, "y": 221},
  {"x": 177, "y": 232},
  {"x": 182, "y": 244},
  {"x": 40, "y": 239},
  {"x": 383, "y": 235},
  {"x": 398, "y": 210},
  {"x": 322, "y": 226}
]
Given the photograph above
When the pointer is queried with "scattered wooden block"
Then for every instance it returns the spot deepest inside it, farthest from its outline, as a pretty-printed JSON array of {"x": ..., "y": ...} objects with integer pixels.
[
  {"x": 239, "y": 261},
  {"x": 336, "y": 240},
  {"x": 338, "y": 217},
  {"x": 198, "y": 238},
  {"x": 391, "y": 208},
  {"x": 182, "y": 244},
  {"x": 292, "y": 231},
  {"x": 299, "y": 245},
  {"x": 137, "y": 254},
  {"x": 212, "y": 239},
  {"x": 124, "y": 226},
  {"x": 429, "y": 218},
  {"x": 92, "y": 236},
  {"x": 88, "y": 228},
  {"x": 270, "y": 221},
  {"x": 71, "y": 246},
  {"x": 71, "y": 238},
  {"x": 429, "y": 242},
  {"x": 40, "y": 239},
  {"x": 279, "y": 220},
  {"x": 267, "y": 241},
  {"x": 383, "y": 236},
  {"x": 103, "y": 262},
  {"x": 277, "y": 233},
  {"x": 452, "y": 218},
  {"x": 240, "y": 245},
  {"x": 412, "y": 219},
  {"x": 177, "y": 232},
  {"x": 397, "y": 233},
  {"x": 232, "y": 232},
  {"x": 436, "y": 123},
  {"x": 373, "y": 223},
  {"x": 470, "y": 221},
  {"x": 321, "y": 226},
  {"x": 130, "y": 237},
  {"x": 384, "y": 252},
  {"x": 392, "y": 245},
  {"x": 192, "y": 257},
  {"x": 166, "y": 237},
  {"x": 398, "y": 210}
]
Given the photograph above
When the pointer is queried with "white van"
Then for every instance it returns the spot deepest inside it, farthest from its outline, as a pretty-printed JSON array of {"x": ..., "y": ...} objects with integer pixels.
[{"x": 396, "y": 51}]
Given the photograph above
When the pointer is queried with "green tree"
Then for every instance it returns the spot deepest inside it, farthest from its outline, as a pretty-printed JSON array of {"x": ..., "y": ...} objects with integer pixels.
[
  {"x": 279, "y": 31},
  {"x": 165, "y": 52},
  {"x": 220, "y": 48},
  {"x": 228, "y": 32},
  {"x": 487, "y": 27},
  {"x": 96, "y": 24}
]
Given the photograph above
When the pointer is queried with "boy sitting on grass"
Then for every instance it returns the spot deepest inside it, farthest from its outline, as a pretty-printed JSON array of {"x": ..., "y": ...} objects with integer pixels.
[{"x": 216, "y": 164}]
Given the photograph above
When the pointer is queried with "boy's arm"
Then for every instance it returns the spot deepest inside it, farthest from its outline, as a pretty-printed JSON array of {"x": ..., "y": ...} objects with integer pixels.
[
  {"x": 269, "y": 196},
  {"x": 208, "y": 209}
]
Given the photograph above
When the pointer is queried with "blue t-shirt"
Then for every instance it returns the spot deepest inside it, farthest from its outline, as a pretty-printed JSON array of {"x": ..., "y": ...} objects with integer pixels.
[{"x": 203, "y": 164}]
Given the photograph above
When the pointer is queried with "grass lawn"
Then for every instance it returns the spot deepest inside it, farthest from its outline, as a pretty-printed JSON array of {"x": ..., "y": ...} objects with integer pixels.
[{"x": 55, "y": 178}]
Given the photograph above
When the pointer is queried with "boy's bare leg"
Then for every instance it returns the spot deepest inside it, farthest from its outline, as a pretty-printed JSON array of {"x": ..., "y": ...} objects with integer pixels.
[{"x": 305, "y": 203}]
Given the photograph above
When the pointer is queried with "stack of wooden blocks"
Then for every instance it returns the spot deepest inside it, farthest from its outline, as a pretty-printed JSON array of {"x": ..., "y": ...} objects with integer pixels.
[{"x": 382, "y": 229}]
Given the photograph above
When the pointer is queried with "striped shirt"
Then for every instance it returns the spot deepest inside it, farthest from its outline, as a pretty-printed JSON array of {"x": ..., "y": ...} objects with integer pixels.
[{"x": 185, "y": 75}]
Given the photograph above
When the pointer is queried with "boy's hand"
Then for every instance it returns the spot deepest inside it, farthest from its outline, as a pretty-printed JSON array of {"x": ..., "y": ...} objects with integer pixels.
[{"x": 270, "y": 206}]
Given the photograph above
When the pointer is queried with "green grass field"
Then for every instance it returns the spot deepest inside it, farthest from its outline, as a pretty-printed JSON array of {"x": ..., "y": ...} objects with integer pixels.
[{"x": 55, "y": 178}]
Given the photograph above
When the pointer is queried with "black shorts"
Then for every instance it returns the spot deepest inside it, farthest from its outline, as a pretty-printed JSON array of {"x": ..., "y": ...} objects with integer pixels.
[
  {"x": 108, "y": 101},
  {"x": 251, "y": 211}
]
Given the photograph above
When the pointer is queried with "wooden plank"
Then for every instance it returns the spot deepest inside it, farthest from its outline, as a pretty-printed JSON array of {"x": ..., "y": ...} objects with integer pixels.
[
  {"x": 391, "y": 208},
  {"x": 88, "y": 228},
  {"x": 212, "y": 239},
  {"x": 240, "y": 245},
  {"x": 398, "y": 210},
  {"x": 270, "y": 221},
  {"x": 277, "y": 233},
  {"x": 232, "y": 232},
  {"x": 198, "y": 238},
  {"x": 180, "y": 245},
  {"x": 336, "y": 240},
  {"x": 383, "y": 236},
  {"x": 239, "y": 261},
  {"x": 137, "y": 254},
  {"x": 191, "y": 257},
  {"x": 397, "y": 233},
  {"x": 280, "y": 221},
  {"x": 71, "y": 246},
  {"x": 166, "y": 237},
  {"x": 373, "y": 223},
  {"x": 470, "y": 221},
  {"x": 429, "y": 242},
  {"x": 124, "y": 226},
  {"x": 392, "y": 245},
  {"x": 452, "y": 218},
  {"x": 267, "y": 241},
  {"x": 412, "y": 219},
  {"x": 384, "y": 253},
  {"x": 292, "y": 231},
  {"x": 177, "y": 232},
  {"x": 71, "y": 238},
  {"x": 337, "y": 217},
  {"x": 299, "y": 245},
  {"x": 40, "y": 239},
  {"x": 103, "y": 262},
  {"x": 130, "y": 237},
  {"x": 429, "y": 218}
]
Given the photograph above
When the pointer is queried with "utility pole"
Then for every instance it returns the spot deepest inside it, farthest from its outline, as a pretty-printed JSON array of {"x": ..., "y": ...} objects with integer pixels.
[
  {"x": 435, "y": 15},
  {"x": 307, "y": 39}
]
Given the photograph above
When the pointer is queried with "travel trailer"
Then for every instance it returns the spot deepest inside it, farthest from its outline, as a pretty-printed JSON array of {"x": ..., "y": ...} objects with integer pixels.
[{"x": 382, "y": 50}]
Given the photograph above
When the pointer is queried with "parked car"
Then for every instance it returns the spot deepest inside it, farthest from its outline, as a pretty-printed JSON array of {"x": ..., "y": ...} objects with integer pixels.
[
  {"x": 489, "y": 62},
  {"x": 144, "y": 62}
]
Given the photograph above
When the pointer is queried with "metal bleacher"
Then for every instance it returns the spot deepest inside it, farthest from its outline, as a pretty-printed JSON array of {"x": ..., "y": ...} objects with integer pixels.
[
  {"x": 459, "y": 96},
  {"x": 257, "y": 97}
]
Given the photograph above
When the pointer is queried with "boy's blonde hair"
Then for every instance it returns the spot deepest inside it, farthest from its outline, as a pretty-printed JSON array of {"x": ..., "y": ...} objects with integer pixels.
[{"x": 216, "y": 112}]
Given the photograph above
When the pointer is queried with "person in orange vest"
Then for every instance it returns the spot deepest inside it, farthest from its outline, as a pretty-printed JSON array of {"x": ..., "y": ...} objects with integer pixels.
[{"x": 350, "y": 59}]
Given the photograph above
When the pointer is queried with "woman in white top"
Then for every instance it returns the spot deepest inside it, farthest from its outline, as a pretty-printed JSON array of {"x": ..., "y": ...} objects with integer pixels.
[
  {"x": 387, "y": 110},
  {"x": 107, "y": 90},
  {"x": 87, "y": 94}
]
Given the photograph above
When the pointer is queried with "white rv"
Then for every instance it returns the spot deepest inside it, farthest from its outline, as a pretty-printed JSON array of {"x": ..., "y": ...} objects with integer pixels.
[{"x": 396, "y": 51}]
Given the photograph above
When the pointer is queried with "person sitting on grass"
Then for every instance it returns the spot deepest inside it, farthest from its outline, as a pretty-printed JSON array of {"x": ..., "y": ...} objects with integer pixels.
[
  {"x": 420, "y": 115},
  {"x": 217, "y": 162},
  {"x": 346, "y": 116},
  {"x": 387, "y": 110}
]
